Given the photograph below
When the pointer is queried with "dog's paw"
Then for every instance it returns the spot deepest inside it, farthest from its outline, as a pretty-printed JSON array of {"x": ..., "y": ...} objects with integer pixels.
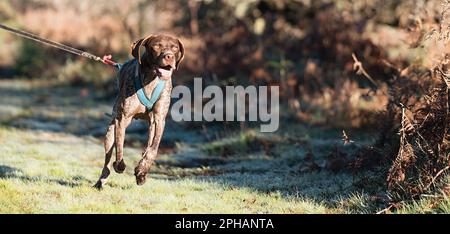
[
  {"x": 98, "y": 185},
  {"x": 119, "y": 167},
  {"x": 141, "y": 175},
  {"x": 141, "y": 179}
]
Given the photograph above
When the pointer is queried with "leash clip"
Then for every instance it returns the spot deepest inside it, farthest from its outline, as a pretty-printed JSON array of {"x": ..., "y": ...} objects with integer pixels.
[{"x": 107, "y": 60}]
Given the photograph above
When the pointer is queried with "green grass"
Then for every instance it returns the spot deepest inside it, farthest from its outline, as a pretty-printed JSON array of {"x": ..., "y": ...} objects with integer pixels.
[
  {"x": 41, "y": 177},
  {"x": 49, "y": 162}
]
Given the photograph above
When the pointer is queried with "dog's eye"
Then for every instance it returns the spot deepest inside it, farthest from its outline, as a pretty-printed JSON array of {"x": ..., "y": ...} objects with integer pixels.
[
  {"x": 157, "y": 46},
  {"x": 175, "y": 48}
]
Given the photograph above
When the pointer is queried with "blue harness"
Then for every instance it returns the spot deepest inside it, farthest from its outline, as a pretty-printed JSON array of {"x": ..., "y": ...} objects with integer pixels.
[{"x": 148, "y": 103}]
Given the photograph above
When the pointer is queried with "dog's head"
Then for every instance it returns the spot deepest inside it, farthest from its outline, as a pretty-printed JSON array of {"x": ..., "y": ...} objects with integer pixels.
[{"x": 163, "y": 52}]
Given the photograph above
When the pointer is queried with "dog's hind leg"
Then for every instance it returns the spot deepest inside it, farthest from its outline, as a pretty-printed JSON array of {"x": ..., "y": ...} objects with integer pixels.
[
  {"x": 121, "y": 125},
  {"x": 109, "y": 146}
]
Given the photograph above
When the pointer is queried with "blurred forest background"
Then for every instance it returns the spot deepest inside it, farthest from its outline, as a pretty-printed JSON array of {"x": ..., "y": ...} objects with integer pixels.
[
  {"x": 390, "y": 97},
  {"x": 303, "y": 46}
]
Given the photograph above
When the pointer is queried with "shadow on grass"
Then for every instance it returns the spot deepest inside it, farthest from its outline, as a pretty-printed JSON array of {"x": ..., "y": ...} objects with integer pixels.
[
  {"x": 73, "y": 110},
  {"x": 7, "y": 172},
  {"x": 290, "y": 167}
]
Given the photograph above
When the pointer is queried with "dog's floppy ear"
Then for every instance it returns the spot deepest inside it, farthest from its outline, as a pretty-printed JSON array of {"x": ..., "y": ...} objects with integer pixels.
[
  {"x": 136, "y": 47},
  {"x": 180, "y": 44}
]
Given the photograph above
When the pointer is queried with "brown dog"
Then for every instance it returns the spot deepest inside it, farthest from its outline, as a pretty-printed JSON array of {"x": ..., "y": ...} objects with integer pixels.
[{"x": 163, "y": 54}]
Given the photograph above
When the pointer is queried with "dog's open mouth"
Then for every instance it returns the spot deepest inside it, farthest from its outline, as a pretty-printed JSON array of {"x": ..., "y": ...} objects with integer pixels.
[
  {"x": 165, "y": 71},
  {"x": 166, "y": 67}
]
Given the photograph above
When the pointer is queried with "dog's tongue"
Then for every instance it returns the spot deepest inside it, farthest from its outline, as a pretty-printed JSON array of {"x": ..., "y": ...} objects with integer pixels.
[{"x": 165, "y": 73}]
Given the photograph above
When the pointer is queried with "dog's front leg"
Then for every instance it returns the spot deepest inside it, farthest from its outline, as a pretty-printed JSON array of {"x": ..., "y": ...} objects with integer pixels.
[
  {"x": 155, "y": 134},
  {"x": 121, "y": 125}
]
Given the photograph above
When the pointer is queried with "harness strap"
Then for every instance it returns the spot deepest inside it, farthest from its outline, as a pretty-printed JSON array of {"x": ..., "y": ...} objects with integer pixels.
[
  {"x": 118, "y": 65},
  {"x": 156, "y": 93},
  {"x": 148, "y": 103}
]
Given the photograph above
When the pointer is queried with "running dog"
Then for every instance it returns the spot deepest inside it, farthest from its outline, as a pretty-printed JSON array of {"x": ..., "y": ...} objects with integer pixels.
[{"x": 162, "y": 56}]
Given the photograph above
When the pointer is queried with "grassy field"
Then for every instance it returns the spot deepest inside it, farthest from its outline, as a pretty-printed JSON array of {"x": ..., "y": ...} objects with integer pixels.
[{"x": 51, "y": 154}]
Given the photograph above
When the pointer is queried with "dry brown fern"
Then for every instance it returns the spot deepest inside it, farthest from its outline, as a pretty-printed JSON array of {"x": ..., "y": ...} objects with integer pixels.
[{"x": 423, "y": 150}]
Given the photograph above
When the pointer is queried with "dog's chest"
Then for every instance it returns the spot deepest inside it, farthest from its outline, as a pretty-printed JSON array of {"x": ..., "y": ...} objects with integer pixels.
[
  {"x": 149, "y": 86},
  {"x": 152, "y": 92}
]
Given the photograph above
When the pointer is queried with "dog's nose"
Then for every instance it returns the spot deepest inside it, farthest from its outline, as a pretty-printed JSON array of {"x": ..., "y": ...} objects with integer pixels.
[{"x": 169, "y": 56}]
